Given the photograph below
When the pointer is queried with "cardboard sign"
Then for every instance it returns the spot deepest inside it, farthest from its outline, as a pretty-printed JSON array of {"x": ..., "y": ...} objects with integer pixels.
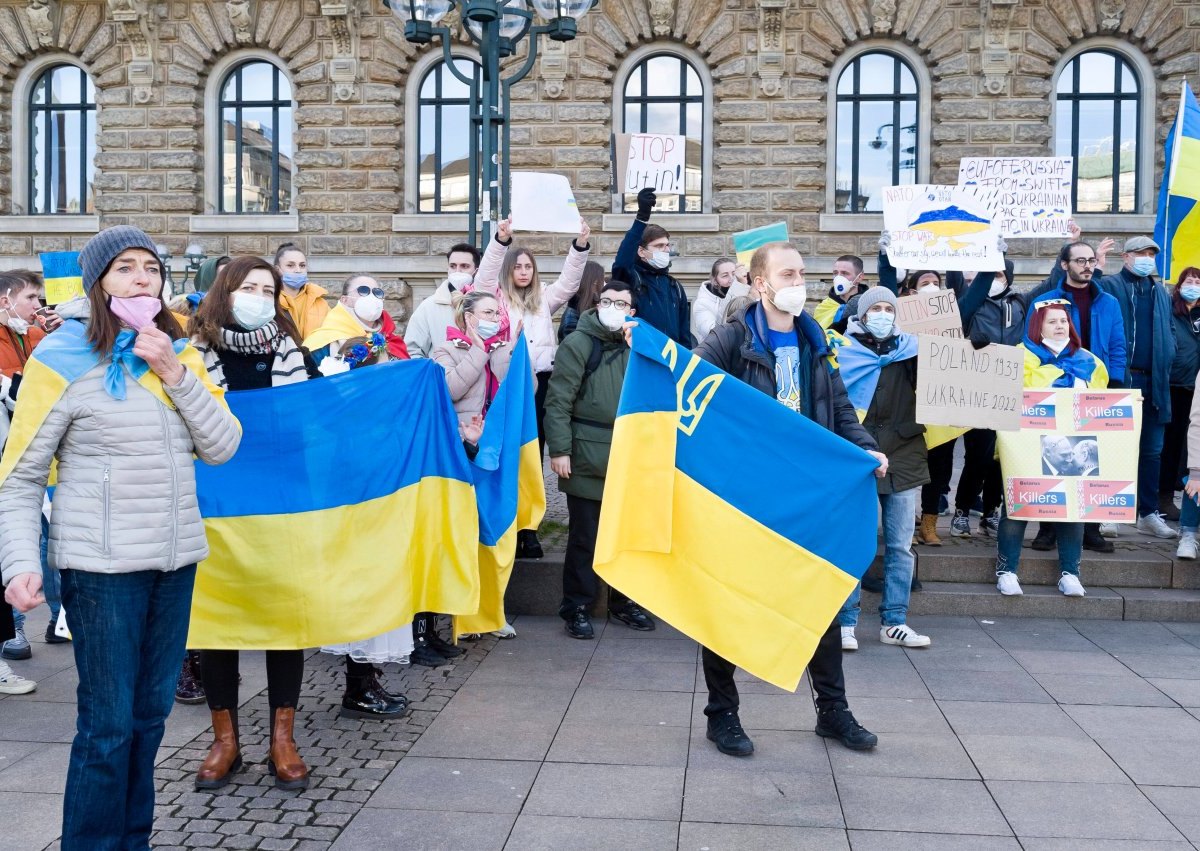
[
  {"x": 942, "y": 227},
  {"x": 933, "y": 313},
  {"x": 746, "y": 242},
  {"x": 1075, "y": 456},
  {"x": 543, "y": 202},
  {"x": 959, "y": 385},
  {"x": 1034, "y": 192},
  {"x": 649, "y": 159}
]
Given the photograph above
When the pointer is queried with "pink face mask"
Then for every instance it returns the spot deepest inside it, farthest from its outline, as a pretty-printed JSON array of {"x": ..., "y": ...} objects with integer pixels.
[{"x": 136, "y": 312}]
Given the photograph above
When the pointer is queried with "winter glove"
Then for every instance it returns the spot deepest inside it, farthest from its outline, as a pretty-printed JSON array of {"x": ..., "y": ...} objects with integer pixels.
[
  {"x": 646, "y": 200},
  {"x": 978, "y": 340},
  {"x": 1001, "y": 245},
  {"x": 885, "y": 239}
]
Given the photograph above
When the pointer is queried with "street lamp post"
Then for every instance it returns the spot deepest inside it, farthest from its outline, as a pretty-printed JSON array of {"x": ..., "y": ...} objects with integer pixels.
[
  {"x": 195, "y": 257},
  {"x": 497, "y": 27}
]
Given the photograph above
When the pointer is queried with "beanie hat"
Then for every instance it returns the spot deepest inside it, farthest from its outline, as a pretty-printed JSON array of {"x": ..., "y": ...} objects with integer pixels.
[
  {"x": 874, "y": 296},
  {"x": 103, "y": 248}
]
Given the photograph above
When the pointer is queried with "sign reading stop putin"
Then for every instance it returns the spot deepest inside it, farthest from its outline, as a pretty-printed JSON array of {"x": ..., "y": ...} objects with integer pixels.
[{"x": 653, "y": 160}]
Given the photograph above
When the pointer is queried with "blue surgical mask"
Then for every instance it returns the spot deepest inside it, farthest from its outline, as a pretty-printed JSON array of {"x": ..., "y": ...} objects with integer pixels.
[
  {"x": 880, "y": 324},
  {"x": 1144, "y": 267},
  {"x": 488, "y": 328},
  {"x": 1190, "y": 292},
  {"x": 295, "y": 280}
]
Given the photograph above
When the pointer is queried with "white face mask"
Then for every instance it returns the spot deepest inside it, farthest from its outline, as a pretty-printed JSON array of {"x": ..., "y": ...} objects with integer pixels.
[
  {"x": 998, "y": 286},
  {"x": 1055, "y": 346},
  {"x": 251, "y": 311},
  {"x": 789, "y": 299},
  {"x": 368, "y": 308},
  {"x": 842, "y": 284},
  {"x": 17, "y": 324},
  {"x": 660, "y": 259},
  {"x": 458, "y": 280},
  {"x": 928, "y": 288},
  {"x": 612, "y": 318}
]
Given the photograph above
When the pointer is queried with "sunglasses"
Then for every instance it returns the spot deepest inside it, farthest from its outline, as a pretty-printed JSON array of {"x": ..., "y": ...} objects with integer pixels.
[{"x": 365, "y": 290}]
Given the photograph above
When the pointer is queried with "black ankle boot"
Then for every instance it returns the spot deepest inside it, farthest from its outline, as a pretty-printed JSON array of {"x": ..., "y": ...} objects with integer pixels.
[{"x": 364, "y": 700}]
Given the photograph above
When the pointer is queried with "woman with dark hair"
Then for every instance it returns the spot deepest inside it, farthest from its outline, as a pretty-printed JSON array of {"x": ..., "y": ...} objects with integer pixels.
[
  {"x": 587, "y": 297},
  {"x": 124, "y": 404},
  {"x": 1185, "y": 325}
]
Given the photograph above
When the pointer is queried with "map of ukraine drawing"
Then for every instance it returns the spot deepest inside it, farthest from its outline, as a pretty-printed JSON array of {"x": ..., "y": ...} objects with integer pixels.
[{"x": 949, "y": 223}]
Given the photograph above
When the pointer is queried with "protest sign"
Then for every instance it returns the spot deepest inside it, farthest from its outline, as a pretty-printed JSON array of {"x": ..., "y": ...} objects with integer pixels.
[
  {"x": 543, "y": 202},
  {"x": 1034, "y": 192},
  {"x": 746, "y": 242},
  {"x": 942, "y": 227},
  {"x": 1075, "y": 456},
  {"x": 650, "y": 160},
  {"x": 933, "y": 313},
  {"x": 959, "y": 385}
]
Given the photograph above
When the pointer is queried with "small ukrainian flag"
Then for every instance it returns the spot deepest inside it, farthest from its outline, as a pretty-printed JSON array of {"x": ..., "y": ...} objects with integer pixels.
[{"x": 63, "y": 277}]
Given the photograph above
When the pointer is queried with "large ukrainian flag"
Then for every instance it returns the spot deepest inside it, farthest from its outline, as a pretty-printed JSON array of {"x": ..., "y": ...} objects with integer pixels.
[
  {"x": 509, "y": 488},
  {"x": 347, "y": 509},
  {"x": 741, "y": 523},
  {"x": 1177, "y": 229}
]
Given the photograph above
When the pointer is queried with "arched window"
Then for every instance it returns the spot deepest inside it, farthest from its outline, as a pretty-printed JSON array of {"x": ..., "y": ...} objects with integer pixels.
[
  {"x": 1098, "y": 122},
  {"x": 62, "y": 142},
  {"x": 255, "y": 154},
  {"x": 444, "y": 137},
  {"x": 664, "y": 94},
  {"x": 877, "y": 130}
]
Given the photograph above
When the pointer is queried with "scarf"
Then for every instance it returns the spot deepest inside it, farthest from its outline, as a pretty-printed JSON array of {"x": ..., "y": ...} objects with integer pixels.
[
  {"x": 395, "y": 341},
  {"x": 1043, "y": 368},
  {"x": 460, "y": 340},
  {"x": 861, "y": 366},
  {"x": 288, "y": 367}
]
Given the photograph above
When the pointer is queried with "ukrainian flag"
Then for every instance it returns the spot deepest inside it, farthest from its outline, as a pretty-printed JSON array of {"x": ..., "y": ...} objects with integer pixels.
[
  {"x": 347, "y": 509},
  {"x": 739, "y": 522},
  {"x": 1177, "y": 229},
  {"x": 63, "y": 277},
  {"x": 509, "y": 488}
]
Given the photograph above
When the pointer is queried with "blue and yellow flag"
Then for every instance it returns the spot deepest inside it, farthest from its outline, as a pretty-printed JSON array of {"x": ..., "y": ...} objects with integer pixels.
[
  {"x": 347, "y": 509},
  {"x": 746, "y": 242},
  {"x": 63, "y": 277},
  {"x": 1177, "y": 228},
  {"x": 741, "y": 523},
  {"x": 509, "y": 489}
]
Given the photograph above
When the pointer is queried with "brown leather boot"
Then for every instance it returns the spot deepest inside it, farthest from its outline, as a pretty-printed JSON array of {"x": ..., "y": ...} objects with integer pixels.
[
  {"x": 927, "y": 534},
  {"x": 224, "y": 757},
  {"x": 285, "y": 764}
]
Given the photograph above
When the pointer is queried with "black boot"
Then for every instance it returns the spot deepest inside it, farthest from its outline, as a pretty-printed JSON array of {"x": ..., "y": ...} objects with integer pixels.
[
  {"x": 1046, "y": 538},
  {"x": 374, "y": 681},
  {"x": 840, "y": 724},
  {"x": 443, "y": 648},
  {"x": 528, "y": 545},
  {"x": 1093, "y": 540},
  {"x": 423, "y": 654},
  {"x": 725, "y": 731},
  {"x": 364, "y": 700},
  {"x": 188, "y": 688},
  {"x": 578, "y": 625},
  {"x": 1166, "y": 507}
]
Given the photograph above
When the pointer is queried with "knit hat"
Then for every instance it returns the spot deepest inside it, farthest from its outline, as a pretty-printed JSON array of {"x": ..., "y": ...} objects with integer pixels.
[
  {"x": 874, "y": 296},
  {"x": 103, "y": 248}
]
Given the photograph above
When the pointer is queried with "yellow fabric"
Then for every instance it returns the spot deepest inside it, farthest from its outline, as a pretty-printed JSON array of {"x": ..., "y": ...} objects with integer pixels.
[
  {"x": 1038, "y": 374},
  {"x": 339, "y": 324},
  {"x": 936, "y": 435},
  {"x": 318, "y": 580},
  {"x": 826, "y": 312},
  {"x": 307, "y": 308}
]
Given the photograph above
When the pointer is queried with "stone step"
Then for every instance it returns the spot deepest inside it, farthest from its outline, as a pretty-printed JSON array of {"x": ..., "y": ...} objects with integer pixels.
[{"x": 1131, "y": 568}]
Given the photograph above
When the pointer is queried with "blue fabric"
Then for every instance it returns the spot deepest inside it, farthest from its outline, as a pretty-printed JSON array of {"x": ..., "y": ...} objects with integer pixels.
[
  {"x": 861, "y": 366},
  {"x": 1108, "y": 330},
  {"x": 1121, "y": 286},
  {"x": 786, "y": 346},
  {"x": 1141, "y": 355},
  {"x": 128, "y": 632},
  {"x": 898, "y": 562},
  {"x": 1012, "y": 534},
  {"x": 815, "y": 345},
  {"x": 1078, "y": 364}
]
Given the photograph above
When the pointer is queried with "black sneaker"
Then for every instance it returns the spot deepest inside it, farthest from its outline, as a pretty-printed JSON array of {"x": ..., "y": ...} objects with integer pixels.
[
  {"x": 578, "y": 625},
  {"x": 445, "y": 648},
  {"x": 53, "y": 637},
  {"x": 1046, "y": 538},
  {"x": 632, "y": 616},
  {"x": 725, "y": 730},
  {"x": 424, "y": 655},
  {"x": 1093, "y": 540},
  {"x": 371, "y": 704},
  {"x": 840, "y": 724}
]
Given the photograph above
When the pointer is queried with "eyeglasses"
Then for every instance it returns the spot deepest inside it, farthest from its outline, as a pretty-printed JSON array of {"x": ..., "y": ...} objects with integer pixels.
[
  {"x": 619, "y": 304},
  {"x": 486, "y": 314},
  {"x": 1084, "y": 261},
  {"x": 365, "y": 290}
]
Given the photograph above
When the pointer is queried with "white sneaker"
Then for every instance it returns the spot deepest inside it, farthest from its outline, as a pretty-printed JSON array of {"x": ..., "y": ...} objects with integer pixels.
[
  {"x": 11, "y": 683},
  {"x": 1070, "y": 585},
  {"x": 901, "y": 635},
  {"x": 1153, "y": 524},
  {"x": 1110, "y": 530},
  {"x": 1007, "y": 584},
  {"x": 849, "y": 642},
  {"x": 1187, "y": 546},
  {"x": 505, "y": 631}
]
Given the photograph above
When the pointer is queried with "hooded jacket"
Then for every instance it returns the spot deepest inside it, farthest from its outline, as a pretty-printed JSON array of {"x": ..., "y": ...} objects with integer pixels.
[
  {"x": 15, "y": 348},
  {"x": 1187, "y": 349},
  {"x": 428, "y": 324},
  {"x": 662, "y": 301},
  {"x": 891, "y": 419},
  {"x": 307, "y": 307}
]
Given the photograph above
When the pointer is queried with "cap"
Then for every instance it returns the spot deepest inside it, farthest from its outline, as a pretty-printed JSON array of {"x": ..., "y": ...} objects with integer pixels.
[{"x": 1139, "y": 243}]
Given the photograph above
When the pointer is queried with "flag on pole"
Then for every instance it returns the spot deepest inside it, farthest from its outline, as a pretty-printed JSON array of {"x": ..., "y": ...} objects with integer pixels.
[{"x": 1177, "y": 229}]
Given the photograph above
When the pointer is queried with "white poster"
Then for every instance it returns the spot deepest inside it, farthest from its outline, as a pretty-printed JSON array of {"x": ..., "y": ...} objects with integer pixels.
[
  {"x": 943, "y": 228},
  {"x": 652, "y": 160},
  {"x": 543, "y": 202},
  {"x": 1034, "y": 192}
]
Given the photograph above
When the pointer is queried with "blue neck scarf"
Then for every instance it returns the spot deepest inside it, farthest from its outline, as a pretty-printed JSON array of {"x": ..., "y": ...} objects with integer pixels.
[
  {"x": 1077, "y": 364},
  {"x": 124, "y": 359},
  {"x": 861, "y": 366}
]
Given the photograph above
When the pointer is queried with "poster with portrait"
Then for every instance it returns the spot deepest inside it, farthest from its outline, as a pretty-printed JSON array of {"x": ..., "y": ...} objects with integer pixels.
[{"x": 1074, "y": 457}]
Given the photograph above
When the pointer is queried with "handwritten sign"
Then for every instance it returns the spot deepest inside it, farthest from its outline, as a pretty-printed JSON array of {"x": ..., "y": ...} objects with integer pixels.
[
  {"x": 1034, "y": 192},
  {"x": 934, "y": 313},
  {"x": 942, "y": 227},
  {"x": 959, "y": 385},
  {"x": 543, "y": 202},
  {"x": 650, "y": 160}
]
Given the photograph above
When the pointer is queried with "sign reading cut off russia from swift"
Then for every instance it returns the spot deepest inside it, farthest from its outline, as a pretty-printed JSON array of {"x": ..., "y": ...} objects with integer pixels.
[
  {"x": 1034, "y": 192},
  {"x": 942, "y": 227}
]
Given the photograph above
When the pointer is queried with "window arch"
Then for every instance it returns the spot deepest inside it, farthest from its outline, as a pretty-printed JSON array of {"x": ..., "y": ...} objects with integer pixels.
[
  {"x": 255, "y": 149},
  {"x": 1098, "y": 121},
  {"x": 61, "y": 146},
  {"x": 878, "y": 129},
  {"x": 444, "y": 137}
]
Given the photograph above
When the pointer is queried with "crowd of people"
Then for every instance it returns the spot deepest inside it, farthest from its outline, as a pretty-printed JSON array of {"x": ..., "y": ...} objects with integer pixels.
[{"x": 125, "y": 390}]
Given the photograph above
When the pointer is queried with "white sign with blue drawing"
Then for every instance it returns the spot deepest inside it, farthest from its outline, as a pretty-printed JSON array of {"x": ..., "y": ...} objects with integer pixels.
[
  {"x": 1035, "y": 192},
  {"x": 944, "y": 228}
]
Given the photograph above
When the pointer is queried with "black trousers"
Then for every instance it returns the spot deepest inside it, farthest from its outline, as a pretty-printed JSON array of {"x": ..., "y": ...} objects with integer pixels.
[
  {"x": 219, "y": 671},
  {"x": 580, "y": 583},
  {"x": 981, "y": 472},
  {"x": 825, "y": 672},
  {"x": 941, "y": 468},
  {"x": 1174, "y": 455},
  {"x": 539, "y": 405}
]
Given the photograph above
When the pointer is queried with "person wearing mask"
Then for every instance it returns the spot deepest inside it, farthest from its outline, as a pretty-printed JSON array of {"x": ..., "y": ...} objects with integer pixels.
[
  {"x": 1054, "y": 357},
  {"x": 304, "y": 301},
  {"x": 428, "y": 323},
  {"x": 1185, "y": 323},
  {"x": 581, "y": 406},
  {"x": 848, "y": 282},
  {"x": 778, "y": 349},
  {"x": 510, "y": 273},
  {"x": 206, "y": 275},
  {"x": 358, "y": 314},
  {"x": 584, "y": 300},
  {"x": 644, "y": 260},
  {"x": 879, "y": 367},
  {"x": 125, "y": 405},
  {"x": 723, "y": 285}
]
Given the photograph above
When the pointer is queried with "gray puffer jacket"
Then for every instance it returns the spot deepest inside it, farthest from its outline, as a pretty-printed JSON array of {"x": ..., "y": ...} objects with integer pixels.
[{"x": 126, "y": 494}]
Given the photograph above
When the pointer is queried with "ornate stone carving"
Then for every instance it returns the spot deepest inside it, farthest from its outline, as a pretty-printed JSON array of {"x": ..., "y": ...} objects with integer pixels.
[
  {"x": 1111, "y": 12},
  {"x": 553, "y": 67},
  {"x": 883, "y": 13},
  {"x": 241, "y": 16},
  {"x": 139, "y": 23},
  {"x": 662, "y": 16},
  {"x": 342, "y": 17},
  {"x": 770, "y": 46},
  {"x": 995, "y": 56},
  {"x": 42, "y": 14}
]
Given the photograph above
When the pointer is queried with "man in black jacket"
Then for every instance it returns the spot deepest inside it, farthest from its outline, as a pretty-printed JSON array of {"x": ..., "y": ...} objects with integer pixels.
[
  {"x": 778, "y": 349},
  {"x": 644, "y": 260}
]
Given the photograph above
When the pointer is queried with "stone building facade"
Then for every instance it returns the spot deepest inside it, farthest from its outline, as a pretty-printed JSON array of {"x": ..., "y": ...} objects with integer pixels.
[{"x": 986, "y": 74}]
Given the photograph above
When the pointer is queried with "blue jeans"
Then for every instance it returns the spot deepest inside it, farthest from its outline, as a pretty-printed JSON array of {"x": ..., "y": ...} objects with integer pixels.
[
  {"x": 898, "y": 512},
  {"x": 1150, "y": 449},
  {"x": 1189, "y": 515},
  {"x": 1012, "y": 533},
  {"x": 129, "y": 631}
]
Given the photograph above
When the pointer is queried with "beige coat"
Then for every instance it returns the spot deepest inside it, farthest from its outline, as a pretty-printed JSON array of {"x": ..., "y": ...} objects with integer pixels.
[{"x": 466, "y": 375}]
